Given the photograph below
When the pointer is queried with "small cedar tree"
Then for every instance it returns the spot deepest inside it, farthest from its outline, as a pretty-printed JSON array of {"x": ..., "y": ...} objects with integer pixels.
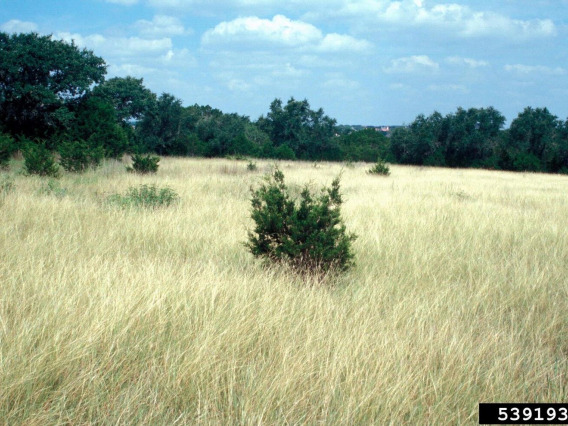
[{"x": 310, "y": 235}]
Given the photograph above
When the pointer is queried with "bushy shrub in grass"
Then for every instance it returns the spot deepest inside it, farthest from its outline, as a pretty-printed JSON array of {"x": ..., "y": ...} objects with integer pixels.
[
  {"x": 78, "y": 156},
  {"x": 6, "y": 185},
  {"x": 380, "y": 168},
  {"x": 38, "y": 160},
  {"x": 284, "y": 152},
  {"x": 251, "y": 166},
  {"x": 52, "y": 187},
  {"x": 144, "y": 164},
  {"x": 146, "y": 196},
  {"x": 7, "y": 148},
  {"x": 238, "y": 157},
  {"x": 310, "y": 235},
  {"x": 526, "y": 162}
]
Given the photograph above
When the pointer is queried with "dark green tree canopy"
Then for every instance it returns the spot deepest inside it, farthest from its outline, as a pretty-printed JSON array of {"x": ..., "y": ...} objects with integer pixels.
[
  {"x": 365, "y": 145},
  {"x": 96, "y": 123},
  {"x": 39, "y": 78},
  {"x": 161, "y": 128},
  {"x": 533, "y": 130},
  {"x": 465, "y": 138},
  {"x": 535, "y": 142},
  {"x": 131, "y": 100},
  {"x": 307, "y": 132}
]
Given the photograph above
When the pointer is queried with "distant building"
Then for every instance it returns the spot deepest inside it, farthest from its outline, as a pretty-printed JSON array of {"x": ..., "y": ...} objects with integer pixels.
[
  {"x": 386, "y": 130},
  {"x": 383, "y": 129}
]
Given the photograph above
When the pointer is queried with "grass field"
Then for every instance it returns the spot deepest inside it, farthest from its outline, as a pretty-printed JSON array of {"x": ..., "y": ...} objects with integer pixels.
[{"x": 136, "y": 316}]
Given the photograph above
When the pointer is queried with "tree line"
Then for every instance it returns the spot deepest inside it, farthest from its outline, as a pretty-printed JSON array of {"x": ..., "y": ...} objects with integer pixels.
[
  {"x": 536, "y": 141},
  {"x": 55, "y": 95}
]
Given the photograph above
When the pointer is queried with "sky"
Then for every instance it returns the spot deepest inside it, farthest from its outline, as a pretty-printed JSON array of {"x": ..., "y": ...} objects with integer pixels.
[{"x": 368, "y": 62}]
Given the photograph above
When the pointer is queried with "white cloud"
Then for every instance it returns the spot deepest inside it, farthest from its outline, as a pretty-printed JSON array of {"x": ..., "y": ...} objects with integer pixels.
[
  {"x": 178, "y": 58},
  {"x": 340, "y": 42},
  {"x": 93, "y": 41},
  {"x": 452, "y": 18},
  {"x": 412, "y": 64},
  {"x": 282, "y": 31},
  {"x": 535, "y": 69},
  {"x": 160, "y": 25},
  {"x": 134, "y": 70},
  {"x": 493, "y": 24},
  {"x": 472, "y": 63},
  {"x": 119, "y": 46},
  {"x": 278, "y": 30},
  {"x": 17, "y": 26}
]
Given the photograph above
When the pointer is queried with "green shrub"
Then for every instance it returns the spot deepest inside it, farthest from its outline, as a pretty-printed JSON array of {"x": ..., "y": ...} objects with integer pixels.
[
  {"x": 309, "y": 236},
  {"x": 53, "y": 187},
  {"x": 237, "y": 157},
  {"x": 144, "y": 164},
  {"x": 251, "y": 167},
  {"x": 6, "y": 185},
  {"x": 38, "y": 160},
  {"x": 78, "y": 156},
  {"x": 526, "y": 162},
  {"x": 147, "y": 196},
  {"x": 7, "y": 148},
  {"x": 380, "y": 168},
  {"x": 284, "y": 152}
]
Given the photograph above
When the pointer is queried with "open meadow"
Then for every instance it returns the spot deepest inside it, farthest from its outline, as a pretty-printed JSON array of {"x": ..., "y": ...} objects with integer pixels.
[{"x": 113, "y": 315}]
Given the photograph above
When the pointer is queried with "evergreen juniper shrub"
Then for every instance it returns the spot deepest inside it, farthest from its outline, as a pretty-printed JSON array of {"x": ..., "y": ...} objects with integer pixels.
[
  {"x": 38, "y": 160},
  {"x": 146, "y": 196},
  {"x": 6, "y": 185},
  {"x": 52, "y": 187},
  {"x": 78, "y": 156},
  {"x": 379, "y": 168},
  {"x": 7, "y": 148},
  {"x": 144, "y": 164},
  {"x": 308, "y": 235}
]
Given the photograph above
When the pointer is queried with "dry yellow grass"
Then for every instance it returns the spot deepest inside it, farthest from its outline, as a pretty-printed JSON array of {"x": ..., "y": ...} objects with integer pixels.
[{"x": 115, "y": 316}]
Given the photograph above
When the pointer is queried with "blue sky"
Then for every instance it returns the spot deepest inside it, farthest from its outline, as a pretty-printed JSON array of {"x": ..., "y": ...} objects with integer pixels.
[{"x": 362, "y": 61}]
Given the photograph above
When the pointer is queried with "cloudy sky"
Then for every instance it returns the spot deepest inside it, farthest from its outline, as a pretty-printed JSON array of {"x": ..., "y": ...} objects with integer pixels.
[{"x": 372, "y": 62}]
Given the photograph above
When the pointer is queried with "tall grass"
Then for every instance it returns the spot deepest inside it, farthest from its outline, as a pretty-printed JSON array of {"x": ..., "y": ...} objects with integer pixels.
[{"x": 161, "y": 316}]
